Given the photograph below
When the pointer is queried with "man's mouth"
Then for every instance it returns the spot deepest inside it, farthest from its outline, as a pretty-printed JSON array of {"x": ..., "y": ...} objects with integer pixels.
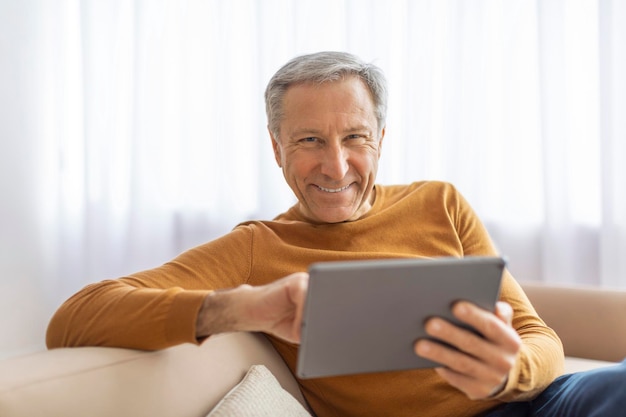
[{"x": 333, "y": 190}]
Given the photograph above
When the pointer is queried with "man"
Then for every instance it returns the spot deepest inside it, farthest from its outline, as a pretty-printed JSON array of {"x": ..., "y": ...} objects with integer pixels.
[{"x": 326, "y": 115}]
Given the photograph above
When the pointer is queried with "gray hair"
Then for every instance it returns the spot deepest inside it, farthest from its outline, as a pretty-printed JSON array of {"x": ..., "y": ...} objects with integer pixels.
[{"x": 319, "y": 68}]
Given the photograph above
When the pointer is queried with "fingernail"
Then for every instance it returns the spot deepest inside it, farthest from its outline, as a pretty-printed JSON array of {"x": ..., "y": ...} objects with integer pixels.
[
  {"x": 434, "y": 325},
  {"x": 461, "y": 308}
]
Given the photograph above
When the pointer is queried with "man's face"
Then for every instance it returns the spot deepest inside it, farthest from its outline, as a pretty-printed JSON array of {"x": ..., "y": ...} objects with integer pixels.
[{"x": 329, "y": 148}]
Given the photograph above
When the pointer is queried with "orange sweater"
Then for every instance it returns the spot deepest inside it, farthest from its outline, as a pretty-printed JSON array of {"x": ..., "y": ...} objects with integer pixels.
[{"x": 158, "y": 308}]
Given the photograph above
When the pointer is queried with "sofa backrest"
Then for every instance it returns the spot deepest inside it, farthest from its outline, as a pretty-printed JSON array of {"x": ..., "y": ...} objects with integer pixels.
[{"x": 590, "y": 321}]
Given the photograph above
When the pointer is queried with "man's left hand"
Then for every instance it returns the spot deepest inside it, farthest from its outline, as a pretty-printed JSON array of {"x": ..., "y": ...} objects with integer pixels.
[{"x": 479, "y": 366}]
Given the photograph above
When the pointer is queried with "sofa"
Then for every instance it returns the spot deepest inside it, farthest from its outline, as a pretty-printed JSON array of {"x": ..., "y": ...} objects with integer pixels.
[{"x": 241, "y": 374}]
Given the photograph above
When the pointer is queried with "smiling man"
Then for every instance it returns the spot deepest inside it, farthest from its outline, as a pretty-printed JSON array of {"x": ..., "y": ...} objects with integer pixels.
[{"x": 326, "y": 118}]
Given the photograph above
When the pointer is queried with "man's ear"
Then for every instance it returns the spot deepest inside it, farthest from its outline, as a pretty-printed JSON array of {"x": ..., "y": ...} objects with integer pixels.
[
  {"x": 276, "y": 148},
  {"x": 380, "y": 142}
]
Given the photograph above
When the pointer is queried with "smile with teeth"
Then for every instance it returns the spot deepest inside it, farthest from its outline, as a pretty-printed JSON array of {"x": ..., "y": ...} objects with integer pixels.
[{"x": 330, "y": 190}]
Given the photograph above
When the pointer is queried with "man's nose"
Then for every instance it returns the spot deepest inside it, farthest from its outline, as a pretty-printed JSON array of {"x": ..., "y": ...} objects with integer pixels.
[{"x": 335, "y": 163}]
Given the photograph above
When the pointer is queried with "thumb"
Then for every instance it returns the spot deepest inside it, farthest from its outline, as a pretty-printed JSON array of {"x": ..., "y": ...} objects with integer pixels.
[{"x": 297, "y": 293}]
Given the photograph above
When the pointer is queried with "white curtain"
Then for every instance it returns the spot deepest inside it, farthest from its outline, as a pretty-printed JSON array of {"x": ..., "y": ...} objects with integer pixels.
[{"x": 132, "y": 130}]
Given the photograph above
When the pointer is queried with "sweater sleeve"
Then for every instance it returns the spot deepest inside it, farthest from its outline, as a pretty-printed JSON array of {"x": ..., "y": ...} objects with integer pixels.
[
  {"x": 153, "y": 309},
  {"x": 541, "y": 357}
]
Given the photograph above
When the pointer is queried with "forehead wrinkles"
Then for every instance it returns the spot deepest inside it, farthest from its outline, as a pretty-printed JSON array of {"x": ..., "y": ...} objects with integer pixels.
[{"x": 346, "y": 106}]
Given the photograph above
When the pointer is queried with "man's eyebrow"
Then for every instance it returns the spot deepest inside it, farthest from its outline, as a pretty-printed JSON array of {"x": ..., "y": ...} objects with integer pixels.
[{"x": 359, "y": 128}]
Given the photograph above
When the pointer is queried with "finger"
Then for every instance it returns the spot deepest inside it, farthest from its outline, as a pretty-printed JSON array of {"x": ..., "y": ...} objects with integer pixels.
[
  {"x": 495, "y": 328},
  {"x": 473, "y": 356},
  {"x": 472, "y": 376},
  {"x": 493, "y": 359},
  {"x": 467, "y": 343},
  {"x": 468, "y": 374}
]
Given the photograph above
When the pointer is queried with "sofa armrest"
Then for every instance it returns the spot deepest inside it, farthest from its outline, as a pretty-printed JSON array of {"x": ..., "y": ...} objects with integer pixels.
[
  {"x": 184, "y": 380},
  {"x": 590, "y": 321}
]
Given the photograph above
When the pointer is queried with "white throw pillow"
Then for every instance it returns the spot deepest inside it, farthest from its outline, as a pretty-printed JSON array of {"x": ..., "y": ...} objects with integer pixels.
[{"x": 259, "y": 394}]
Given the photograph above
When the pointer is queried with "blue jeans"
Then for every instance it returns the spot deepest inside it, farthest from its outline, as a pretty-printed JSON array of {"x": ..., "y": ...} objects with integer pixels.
[{"x": 596, "y": 393}]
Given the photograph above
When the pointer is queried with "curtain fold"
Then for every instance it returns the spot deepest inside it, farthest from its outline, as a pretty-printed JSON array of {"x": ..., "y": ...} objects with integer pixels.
[{"x": 612, "y": 62}]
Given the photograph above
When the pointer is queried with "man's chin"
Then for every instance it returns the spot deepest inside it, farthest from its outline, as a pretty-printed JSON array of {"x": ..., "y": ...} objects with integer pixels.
[{"x": 337, "y": 215}]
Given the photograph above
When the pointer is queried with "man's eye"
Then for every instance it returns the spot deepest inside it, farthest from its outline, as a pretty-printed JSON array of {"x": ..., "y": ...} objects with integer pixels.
[
  {"x": 358, "y": 137},
  {"x": 308, "y": 140}
]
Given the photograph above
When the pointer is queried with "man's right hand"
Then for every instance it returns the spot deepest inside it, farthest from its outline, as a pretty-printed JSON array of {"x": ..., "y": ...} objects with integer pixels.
[{"x": 275, "y": 308}]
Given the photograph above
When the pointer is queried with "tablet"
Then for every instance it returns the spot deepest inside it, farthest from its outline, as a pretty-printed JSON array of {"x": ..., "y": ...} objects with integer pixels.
[{"x": 365, "y": 316}]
